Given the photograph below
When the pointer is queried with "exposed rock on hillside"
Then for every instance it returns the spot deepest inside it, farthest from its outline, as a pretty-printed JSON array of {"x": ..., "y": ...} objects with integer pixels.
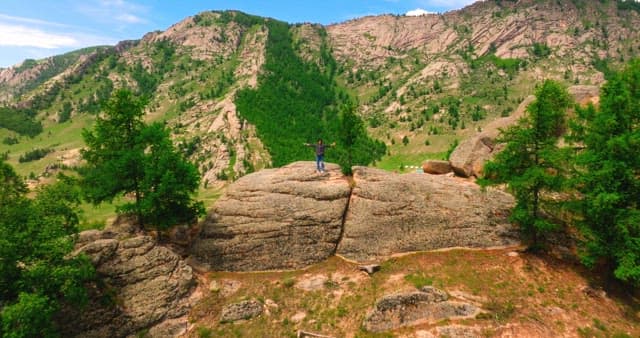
[
  {"x": 436, "y": 167},
  {"x": 406, "y": 309},
  {"x": 391, "y": 213},
  {"x": 146, "y": 286},
  {"x": 292, "y": 217},
  {"x": 243, "y": 310},
  {"x": 469, "y": 157},
  {"x": 282, "y": 218}
]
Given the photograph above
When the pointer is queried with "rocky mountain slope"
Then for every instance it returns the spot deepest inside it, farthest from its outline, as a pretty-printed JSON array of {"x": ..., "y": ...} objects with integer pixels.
[{"x": 420, "y": 82}]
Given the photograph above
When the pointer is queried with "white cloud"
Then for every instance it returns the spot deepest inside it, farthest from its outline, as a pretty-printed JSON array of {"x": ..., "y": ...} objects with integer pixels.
[
  {"x": 418, "y": 12},
  {"x": 10, "y": 18},
  {"x": 130, "y": 18},
  {"x": 16, "y": 35},
  {"x": 120, "y": 11}
]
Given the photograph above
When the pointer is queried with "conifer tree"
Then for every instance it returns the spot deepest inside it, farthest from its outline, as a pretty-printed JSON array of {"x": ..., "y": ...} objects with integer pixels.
[
  {"x": 608, "y": 176},
  {"x": 125, "y": 156},
  {"x": 531, "y": 163}
]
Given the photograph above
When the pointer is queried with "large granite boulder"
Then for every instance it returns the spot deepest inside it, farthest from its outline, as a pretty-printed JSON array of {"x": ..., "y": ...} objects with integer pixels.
[
  {"x": 469, "y": 157},
  {"x": 142, "y": 286},
  {"x": 283, "y": 218},
  {"x": 436, "y": 167},
  {"x": 390, "y": 213}
]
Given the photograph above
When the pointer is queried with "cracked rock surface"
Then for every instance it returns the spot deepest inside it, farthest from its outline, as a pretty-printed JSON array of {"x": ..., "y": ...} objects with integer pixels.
[
  {"x": 391, "y": 213},
  {"x": 292, "y": 217},
  {"x": 284, "y": 218},
  {"x": 405, "y": 309}
]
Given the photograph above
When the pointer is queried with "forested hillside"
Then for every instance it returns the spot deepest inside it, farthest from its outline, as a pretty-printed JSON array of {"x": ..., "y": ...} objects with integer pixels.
[
  {"x": 300, "y": 102},
  {"x": 242, "y": 92}
]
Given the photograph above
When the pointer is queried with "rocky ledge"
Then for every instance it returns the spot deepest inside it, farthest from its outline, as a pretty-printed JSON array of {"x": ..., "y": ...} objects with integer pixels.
[
  {"x": 142, "y": 286},
  {"x": 292, "y": 217},
  {"x": 428, "y": 305},
  {"x": 391, "y": 213},
  {"x": 283, "y": 218}
]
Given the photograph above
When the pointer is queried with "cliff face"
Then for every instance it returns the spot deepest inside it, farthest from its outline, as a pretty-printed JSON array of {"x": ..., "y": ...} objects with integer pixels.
[
  {"x": 576, "y": 31},
  {"x": 292, "y": 217}
]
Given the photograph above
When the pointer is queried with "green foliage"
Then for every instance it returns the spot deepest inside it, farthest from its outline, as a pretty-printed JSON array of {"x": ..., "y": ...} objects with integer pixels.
[
  {"x": 37, "y": 274},
  {"x": 26, "y": 65},
  {"x": 351, "y": 135},
  {"x": 419, "y": 279},
  {"x": 540, "y": 50},
  {"x": 603, "y": 65},
  {"x": 114, "y": 153},
  {"x": 34, "y": 155},
  {"x": 10, "y": 140},
  {"x": 608, "y": 176},
  {"x": 168, "y": 182},
  {"x": 296, "y": 102},
  {"x": 628, "y": 5},
  {"x": 451, "y": 148},
  {"x": 127, "y": 157},
  {"x": 531, "y": 163},
  {"x": 21, "y": 121},
  {"x": 65, "y": 113}
]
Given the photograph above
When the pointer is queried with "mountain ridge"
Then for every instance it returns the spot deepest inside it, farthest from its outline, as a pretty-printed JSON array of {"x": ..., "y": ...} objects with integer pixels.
[{"x": 429, "y": 80}]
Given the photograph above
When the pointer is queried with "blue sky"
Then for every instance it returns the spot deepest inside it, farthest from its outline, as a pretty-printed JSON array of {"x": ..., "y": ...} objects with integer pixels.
[{"x": 40, "y": 28}]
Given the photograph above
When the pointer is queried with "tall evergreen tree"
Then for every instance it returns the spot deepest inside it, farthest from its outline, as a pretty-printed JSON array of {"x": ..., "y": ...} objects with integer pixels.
[
  {"x": 126, "y": 156},
  {"x": 531, "y": 163},
  {"x": 168, "y": 182},
  {"x": 114, "y": 151},
  {"x": 608, "y": 176}
]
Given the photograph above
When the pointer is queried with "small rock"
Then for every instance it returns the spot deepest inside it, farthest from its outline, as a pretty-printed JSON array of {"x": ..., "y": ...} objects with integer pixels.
[
  {"x": 370, "y": 269},
  {"x": 424, "y": 334},
  {"x": 458, "y": 331},
  {"x": 298, "y": 317},
  {"x": 229, "y": 287},
  {"x": 435, "y": 167},
  {"x": 214, "y": 286},
  {"x": 594, "y": 293},
  {"x": 243, "y": 310},
  {"x": 270, "y": 303},
  {"x": 513, "y": 254},
  {"x": 312, "y": 283},
  {"x": 303, "y": 334}
]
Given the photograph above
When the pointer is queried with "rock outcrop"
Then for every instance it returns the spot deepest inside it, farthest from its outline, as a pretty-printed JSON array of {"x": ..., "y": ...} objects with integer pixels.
[
  {"x": 412, "y": 308},
  {"x": 293, "y": 217},
  {"x": 285, "y": 218},
  {"x": 238, "y": 311},
  {"x": 390, "y": 213},
  {"x": 436, "y": 167},
  {"x": 143, "y": 286},
  {"x": 469, "y": 157}
]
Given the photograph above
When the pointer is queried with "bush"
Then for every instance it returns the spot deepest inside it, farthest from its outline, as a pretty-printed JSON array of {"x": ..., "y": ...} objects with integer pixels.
[{"x": 34, "y": 155}]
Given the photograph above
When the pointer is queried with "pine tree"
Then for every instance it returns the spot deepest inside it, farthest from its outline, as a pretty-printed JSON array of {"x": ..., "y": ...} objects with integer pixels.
[
  {"x": 125, "y": 157},
  {"x": 608, "y": 176},
  {"x": 531, "y": 163},
  {"x": 114, "y": 151}
]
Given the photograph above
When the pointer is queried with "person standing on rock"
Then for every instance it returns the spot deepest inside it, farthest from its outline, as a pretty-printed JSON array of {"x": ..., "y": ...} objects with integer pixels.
[{"x": 320, "y": 147}]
